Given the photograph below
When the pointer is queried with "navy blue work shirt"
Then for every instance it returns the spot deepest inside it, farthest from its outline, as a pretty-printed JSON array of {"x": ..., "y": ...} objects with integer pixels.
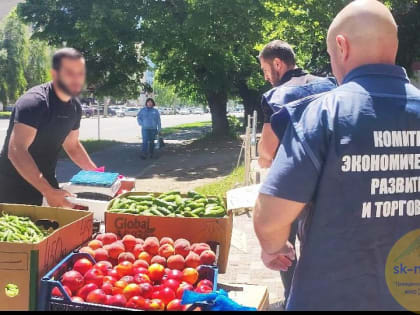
[
  {"x": 294, "y": 85},
  {"x": 343, "y": 153}
]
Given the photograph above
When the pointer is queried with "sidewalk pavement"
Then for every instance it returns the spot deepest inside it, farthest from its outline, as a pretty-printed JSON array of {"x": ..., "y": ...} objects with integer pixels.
[{"x": 245, "y": 265}]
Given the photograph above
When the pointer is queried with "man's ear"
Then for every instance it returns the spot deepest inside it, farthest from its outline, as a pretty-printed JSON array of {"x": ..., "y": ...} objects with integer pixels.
[
  {"x": 343, "y": 47},
  {"x": 53, "y": 74},
  {"x": 277, "y": 64}
]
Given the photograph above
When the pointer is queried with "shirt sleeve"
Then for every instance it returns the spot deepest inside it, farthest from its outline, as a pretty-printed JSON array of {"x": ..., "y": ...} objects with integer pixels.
[
  {"x": 293, "y": 176},
  {"x": 30, "y": 109},
  {"x": 78, "y": 116},
  {"x": 267, "y": 110}
]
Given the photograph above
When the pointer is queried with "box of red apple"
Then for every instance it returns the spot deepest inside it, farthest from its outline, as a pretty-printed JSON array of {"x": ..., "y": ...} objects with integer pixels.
[{"x": 129, "y": 274}]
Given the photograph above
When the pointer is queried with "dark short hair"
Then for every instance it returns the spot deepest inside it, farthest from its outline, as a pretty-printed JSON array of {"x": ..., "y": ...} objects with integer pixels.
[
  {"x": 279, "y": 49},
  {"x": 151, "y": 100},
  {"x": 60, "y": 54}
]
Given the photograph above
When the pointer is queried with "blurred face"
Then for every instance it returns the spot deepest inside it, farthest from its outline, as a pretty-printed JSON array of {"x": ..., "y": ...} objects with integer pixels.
[
  {"x": 272, "y": 70},
  {"x": 149, "y": 104},
  {"x": 71, "y": 76}
]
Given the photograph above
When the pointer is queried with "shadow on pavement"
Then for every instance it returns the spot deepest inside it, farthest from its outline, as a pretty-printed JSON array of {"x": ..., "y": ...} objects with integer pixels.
[{"x": 182, "y": 160}]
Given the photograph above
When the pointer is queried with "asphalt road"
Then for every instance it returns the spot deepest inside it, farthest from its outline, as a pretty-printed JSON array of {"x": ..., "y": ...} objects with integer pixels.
[{"x": 118, "y": 129}]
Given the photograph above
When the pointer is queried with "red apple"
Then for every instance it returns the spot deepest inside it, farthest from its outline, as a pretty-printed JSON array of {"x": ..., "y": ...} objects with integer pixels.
[
  {"x": 128, "y": 279},
  {"x": 141, "y": 270},
  {"x": 172, "y": 284},
  {"x": 129, "y": 242},
  {"x": 132, "y": 290},
  {"x": 97, "y": 297},
  {"x": 142, "y": 278},
  {"x": 94, "y": 276},
  {"x": 103, "y": 266},
  {"x": 73, "y": 280},
  {"x": 137, "y": 302},
  {"x": 174, "y": 306},
  {"x": 147, "y": 290},
  {"x": 57, "y": 293},
  {"x": 167, "y": 295},
  {"x": 86, "y": 289},
  {"x": 156, "y": 305},
  {"x": 182, "y": 288},
  {"x": 109, "y": 279},
  {"x": 205, "y": 282},
  {"x": 82, "y": 265},
  {"x": 117, "y": 300},
  {"x": 141, "y": 263},
  {"x": 125, "y": 269},
  {"x": 176, "y": 275},
  {"x": 109, "y": 238},
  {"x": 113, "y": 273},
  {"x": 156, "y": 272},
  {"x": 107, "y": 288}
]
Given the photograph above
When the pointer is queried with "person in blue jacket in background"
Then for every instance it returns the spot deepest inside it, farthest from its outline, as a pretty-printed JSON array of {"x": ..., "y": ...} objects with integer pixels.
[{"x": 149, "y": 120}]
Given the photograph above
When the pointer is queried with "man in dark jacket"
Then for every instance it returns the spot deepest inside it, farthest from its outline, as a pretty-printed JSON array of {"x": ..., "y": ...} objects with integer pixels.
[{"x": 290, "y": 83}]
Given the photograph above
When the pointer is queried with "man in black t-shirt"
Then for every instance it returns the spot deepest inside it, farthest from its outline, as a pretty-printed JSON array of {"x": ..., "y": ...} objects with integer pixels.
[{"x": 44, "y": 120}]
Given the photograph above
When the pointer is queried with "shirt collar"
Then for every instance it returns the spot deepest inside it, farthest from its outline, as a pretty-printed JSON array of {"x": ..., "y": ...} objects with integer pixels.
[
  {"x": 377, "y": 70},
  {"x": 298, "y": 72}
]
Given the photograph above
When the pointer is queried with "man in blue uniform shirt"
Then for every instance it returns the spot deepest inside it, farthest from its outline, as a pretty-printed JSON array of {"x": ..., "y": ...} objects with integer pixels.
[
  {"x": 340, "y": 158},
  {"x": 278, "y": 62}
]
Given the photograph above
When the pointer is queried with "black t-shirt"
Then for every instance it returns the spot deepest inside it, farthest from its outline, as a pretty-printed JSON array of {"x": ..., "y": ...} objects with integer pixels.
[{"x": 41, "y": 109}]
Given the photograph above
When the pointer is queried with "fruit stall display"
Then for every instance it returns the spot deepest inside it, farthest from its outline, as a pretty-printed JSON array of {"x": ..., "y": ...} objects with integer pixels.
[
  {"x": 170, "y": 204},
  {"x": 19, "y": 229},
  {"x": 131, "y": 273}
]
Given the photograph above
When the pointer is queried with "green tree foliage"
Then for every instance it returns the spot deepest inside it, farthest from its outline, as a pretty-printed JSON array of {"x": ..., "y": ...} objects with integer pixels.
[
  {"x": 204, "y": 47},
  {"x": 23, "y": 63},
  {"x": 105, "y": 31},
  {"x": 304, "y": 24},
  {"x": 39, "y": 63},
  {"x": 15, "y": 43}
]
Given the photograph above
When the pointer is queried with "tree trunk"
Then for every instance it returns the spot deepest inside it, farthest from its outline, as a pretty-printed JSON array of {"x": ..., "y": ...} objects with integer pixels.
[
  {"x": 218, "y": 104},
  {"x": 252, "y": 101}
]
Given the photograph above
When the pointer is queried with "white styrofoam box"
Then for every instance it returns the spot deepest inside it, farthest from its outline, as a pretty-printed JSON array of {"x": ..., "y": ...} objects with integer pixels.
[
  {"x": 109, "y": 191},
  {"x": 98, "y": 207}
]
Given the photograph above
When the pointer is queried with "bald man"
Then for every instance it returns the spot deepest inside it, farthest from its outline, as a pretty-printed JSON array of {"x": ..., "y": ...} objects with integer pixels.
[{"x": 349, "y": 165}]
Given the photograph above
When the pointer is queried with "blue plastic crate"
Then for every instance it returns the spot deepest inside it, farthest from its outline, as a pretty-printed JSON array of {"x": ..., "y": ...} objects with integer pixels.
[
  {"x": 46, "y": 302},
  {"x": 88, "y": 178}
]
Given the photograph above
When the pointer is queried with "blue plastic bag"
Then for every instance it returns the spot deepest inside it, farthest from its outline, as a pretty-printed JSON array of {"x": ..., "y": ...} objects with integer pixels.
[{"x": 217, "y": 301}]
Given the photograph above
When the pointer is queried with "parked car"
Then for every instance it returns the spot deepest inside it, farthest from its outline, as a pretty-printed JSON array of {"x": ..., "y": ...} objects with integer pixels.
[
  {"x": 87, "y": 111},
  {"x": 121, "y": 111},
  {"x": 111, "y": 112},
  {"x": 197, "y": 111},
  {"x": 184, "y": 111},
  {"x": 131, "y": 111}
]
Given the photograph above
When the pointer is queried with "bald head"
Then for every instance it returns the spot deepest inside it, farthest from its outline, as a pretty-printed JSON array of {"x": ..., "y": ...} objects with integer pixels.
[{"x": 364, "y": 32}]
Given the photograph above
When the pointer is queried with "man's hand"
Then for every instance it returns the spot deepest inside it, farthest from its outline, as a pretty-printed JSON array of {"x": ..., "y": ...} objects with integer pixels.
[
  {"x": 280, "y": 261},
  {"x": 264, "y": 163},
  {"x": 57, "y": 198}
]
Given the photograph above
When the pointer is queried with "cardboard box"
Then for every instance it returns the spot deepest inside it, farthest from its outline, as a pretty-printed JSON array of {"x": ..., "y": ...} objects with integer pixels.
[
  {"x": 248, "y": 295},
  {"x": 196, "y": 230},
  {"x": 25, "y": 264}
]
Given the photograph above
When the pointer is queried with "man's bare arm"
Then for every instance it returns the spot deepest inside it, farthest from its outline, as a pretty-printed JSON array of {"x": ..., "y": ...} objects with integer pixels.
[
  {"x": 20, "y": 140},
  {"x": 267, "y": 146},
  {"x": 273, "y": 218},
  {"x": 77, "y": 152}
]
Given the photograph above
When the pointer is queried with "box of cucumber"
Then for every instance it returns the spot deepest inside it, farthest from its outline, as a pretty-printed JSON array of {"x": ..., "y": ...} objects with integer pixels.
[{"x": 192, "y": 216}]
